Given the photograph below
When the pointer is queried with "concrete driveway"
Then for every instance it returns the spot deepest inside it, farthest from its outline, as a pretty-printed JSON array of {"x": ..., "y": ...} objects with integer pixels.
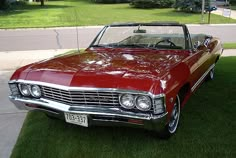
[
  {"x": 220, "y": 11},
  {"x": 11, "y": 119}
]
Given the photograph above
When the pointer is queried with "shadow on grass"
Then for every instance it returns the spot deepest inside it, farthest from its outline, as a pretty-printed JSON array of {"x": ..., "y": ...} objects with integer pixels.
[
  {"x": 81, "y": 1},
  {"x": 175, "y": 13}
]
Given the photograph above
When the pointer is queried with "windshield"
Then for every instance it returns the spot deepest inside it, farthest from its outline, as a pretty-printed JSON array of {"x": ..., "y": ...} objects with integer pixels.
[{"x": 158, "y": 37}]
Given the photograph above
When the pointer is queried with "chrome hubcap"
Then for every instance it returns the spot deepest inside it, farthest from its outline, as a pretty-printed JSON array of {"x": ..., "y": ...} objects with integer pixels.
[
  {"x": 212, "y": 74},
  {"x": 174, "y": 117}
]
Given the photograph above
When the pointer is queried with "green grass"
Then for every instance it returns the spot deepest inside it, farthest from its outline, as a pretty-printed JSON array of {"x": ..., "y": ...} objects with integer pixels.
[
  {"x": 229, "y": 45},
  {"x": 207, "y": 129},
  {"x": 83, "y": 12}
]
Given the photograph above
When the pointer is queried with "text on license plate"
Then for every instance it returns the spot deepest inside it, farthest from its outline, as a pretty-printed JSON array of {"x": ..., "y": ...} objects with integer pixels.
[{"x": 78, "y": 119}]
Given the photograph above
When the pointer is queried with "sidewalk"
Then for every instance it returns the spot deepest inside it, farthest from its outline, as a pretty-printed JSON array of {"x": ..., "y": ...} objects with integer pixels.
[
  {"x": 229, "y": 52},
  {"x": 11, "y": 119},
  {"x": 219, "y": 11}
]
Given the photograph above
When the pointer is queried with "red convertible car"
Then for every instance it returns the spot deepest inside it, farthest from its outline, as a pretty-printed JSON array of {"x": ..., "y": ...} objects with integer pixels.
[{"x": 134, "y": 74}]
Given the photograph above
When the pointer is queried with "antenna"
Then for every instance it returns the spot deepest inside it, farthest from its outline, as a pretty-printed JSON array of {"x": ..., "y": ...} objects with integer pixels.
[
  {"x": 77, "y": 37},
  {"x": 77, "y": 32}
]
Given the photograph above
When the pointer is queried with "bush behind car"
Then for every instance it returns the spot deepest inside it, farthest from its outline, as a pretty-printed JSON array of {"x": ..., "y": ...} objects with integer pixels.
[{"x": 152, "y": 3}]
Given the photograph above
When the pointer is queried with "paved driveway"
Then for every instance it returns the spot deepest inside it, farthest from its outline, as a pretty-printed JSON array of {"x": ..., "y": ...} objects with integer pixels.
[{"x": 11, "y": 119}]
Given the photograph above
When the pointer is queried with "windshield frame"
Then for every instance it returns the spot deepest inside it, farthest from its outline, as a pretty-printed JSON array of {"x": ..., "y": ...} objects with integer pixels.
[{"x": 187, "y": 39}]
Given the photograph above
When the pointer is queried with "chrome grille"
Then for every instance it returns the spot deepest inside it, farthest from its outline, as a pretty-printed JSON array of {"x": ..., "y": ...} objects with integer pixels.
[{"x": 77, "y": 98}]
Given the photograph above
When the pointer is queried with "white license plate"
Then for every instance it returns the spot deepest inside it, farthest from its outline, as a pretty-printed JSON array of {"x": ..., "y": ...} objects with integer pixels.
[{"x": 77, "y": 119}]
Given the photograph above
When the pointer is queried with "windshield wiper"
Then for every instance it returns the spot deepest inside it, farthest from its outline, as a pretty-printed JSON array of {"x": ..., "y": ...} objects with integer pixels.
[
  {"x": 104, "y": 46},
  {"x": 130, "y": 45},
  {"x": 123, "y": 46}
]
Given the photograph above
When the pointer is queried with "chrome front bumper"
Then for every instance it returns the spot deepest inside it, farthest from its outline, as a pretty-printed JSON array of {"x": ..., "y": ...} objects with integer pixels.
[{"x": 96, "y": 115}]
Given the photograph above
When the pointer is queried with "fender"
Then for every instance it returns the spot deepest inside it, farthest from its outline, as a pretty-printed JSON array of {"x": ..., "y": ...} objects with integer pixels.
[{"x": 175, "y": 80}]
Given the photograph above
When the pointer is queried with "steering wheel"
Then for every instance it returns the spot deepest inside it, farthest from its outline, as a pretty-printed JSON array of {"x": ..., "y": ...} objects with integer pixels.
[{"x": 166, "y": 41}]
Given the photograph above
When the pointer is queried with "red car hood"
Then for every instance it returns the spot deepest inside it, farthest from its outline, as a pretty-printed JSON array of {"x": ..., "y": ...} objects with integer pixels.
[{"x": 137, "y": 70}]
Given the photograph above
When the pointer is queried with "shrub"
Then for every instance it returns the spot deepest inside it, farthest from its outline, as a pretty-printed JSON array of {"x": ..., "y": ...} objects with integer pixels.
[
  {"x": 4, "y": 4},
  {"x": 19, "y": 3},
  {"x": 190, "y": 5},
  {"x": 8, "y": 5},
  {"x": 152, "y": 3},
  {"x": 110, "y": 1},
  {"x": 232, "y": 1}
]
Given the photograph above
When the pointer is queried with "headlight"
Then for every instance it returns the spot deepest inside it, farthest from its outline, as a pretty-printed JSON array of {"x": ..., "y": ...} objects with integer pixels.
[
  {"x": 35, "y": 91},
  {"x": 143, "y": 103},
  {"x": 127, "y": 101},
  {"x": 24, "y": 89}
]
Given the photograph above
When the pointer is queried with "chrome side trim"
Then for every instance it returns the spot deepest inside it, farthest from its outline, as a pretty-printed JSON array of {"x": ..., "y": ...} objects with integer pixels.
[
  {"x": 67, "y": 88},
  {"x": 202, "y": 78}
]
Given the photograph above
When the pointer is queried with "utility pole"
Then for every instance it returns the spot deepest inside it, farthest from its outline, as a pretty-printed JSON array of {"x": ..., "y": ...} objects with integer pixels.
[{"x": 203, "y": 8}]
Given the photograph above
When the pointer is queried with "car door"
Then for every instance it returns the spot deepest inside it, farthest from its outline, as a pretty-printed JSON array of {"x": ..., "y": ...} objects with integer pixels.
[{"x": 202, "y": 66}]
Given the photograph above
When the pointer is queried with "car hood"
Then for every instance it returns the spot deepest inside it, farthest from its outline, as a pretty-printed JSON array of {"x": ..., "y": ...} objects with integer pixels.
[{"x": 136, "y": 70}]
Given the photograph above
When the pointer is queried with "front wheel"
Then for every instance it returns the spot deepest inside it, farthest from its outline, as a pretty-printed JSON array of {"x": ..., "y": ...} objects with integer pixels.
[
  {"x": 173, "y": 123},
  {"x": 211, "y": 74}
]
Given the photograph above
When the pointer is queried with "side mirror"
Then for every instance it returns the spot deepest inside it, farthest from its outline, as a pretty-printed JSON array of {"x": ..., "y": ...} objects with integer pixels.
[
  {"x": 196, "y": 44},
  {"x": 207, "y": 41}
]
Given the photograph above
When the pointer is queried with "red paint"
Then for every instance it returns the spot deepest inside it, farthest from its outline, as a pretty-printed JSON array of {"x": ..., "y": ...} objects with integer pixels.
[
  {"x": 32, "y": 105},
  {"x": 139, "y": 122}
]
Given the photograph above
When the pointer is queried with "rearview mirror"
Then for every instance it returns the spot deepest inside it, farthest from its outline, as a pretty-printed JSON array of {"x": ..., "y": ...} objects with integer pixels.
[{"x": 140, "y": 31}]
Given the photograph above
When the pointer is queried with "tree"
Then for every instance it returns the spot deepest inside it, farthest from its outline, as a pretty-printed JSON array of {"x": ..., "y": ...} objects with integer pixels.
[
  {"x": 189, "y": 5},
  {"x": 42, "y": 2}
]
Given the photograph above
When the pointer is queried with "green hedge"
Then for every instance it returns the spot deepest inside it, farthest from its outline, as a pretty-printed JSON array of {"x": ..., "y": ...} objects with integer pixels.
[
  {"x": 232, "y": 2},
  {"x": 152, "y": 3},
  {"x": 190, "y": 5},
  {"x": 4, "y": 4}
]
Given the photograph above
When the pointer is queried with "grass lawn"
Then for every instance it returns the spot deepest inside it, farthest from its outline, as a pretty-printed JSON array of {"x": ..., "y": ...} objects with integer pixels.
[
  {"x": 229, "y": 45},
  {"x": 207, "y": 129},
  {"x": 83, "y": 12}
]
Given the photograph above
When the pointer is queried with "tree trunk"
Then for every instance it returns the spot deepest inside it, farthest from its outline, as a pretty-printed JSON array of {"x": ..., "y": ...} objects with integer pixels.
[{"x": 42, "y": 2}]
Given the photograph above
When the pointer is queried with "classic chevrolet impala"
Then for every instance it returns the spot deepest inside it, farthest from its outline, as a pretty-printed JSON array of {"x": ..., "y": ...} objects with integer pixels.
[{"x": 135, "y": 74}]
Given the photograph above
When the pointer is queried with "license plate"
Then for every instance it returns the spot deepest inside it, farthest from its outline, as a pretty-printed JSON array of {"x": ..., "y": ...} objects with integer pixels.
[{"x": 77, "y": 119}]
